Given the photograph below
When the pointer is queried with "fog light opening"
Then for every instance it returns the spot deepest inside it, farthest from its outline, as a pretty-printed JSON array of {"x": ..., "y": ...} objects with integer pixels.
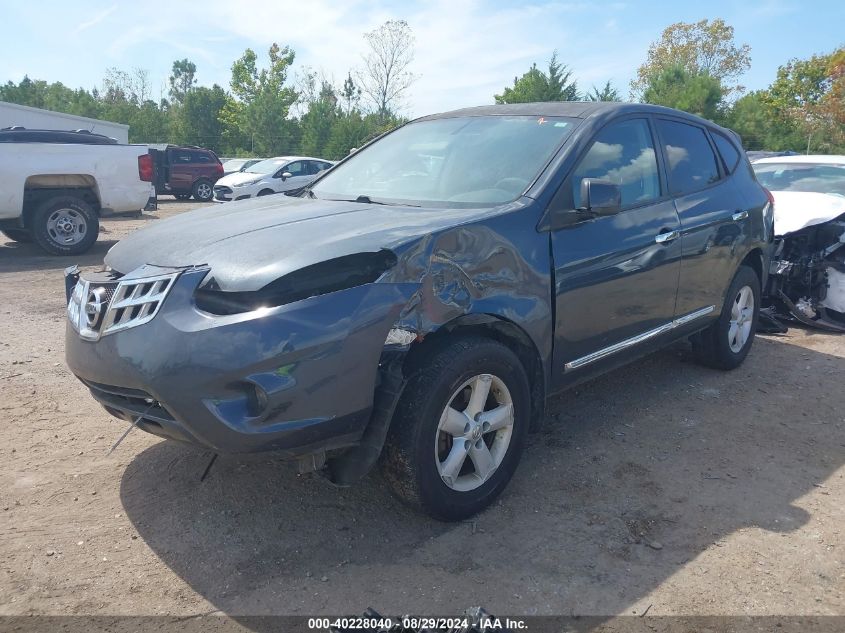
[{"x": 256, "y": 400}]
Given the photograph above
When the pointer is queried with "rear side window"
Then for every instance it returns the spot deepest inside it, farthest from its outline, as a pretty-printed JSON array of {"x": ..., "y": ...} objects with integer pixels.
[
  {"x": 729, "y": 152},
  {"x": 200, "y": 157},
  {"x": 622, "y": 153},
  {"x": 691, "y": 161}
]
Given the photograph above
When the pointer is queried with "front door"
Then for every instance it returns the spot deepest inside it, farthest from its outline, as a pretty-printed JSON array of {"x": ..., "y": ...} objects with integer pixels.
[
  {"x": 616, "y": 277},
  {"x": 298, "y": 176}
]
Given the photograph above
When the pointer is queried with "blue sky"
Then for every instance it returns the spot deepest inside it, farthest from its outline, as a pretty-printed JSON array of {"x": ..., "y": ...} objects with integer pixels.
[{"x": 465, "y": 50}]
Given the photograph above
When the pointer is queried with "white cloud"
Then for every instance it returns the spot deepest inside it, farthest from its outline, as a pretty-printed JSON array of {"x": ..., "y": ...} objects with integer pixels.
[{"x": 99, "y": 17}]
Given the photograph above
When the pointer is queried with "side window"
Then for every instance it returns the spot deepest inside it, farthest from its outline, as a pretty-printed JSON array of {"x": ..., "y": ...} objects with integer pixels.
[
  {"x": 181, "y": 156},
  {"x": 313, "y": 167},
  {"x": 296, "y": 168},
  {"x": 622, "y": 153},
  {"x": 200, "y": 157},
  {"x": 729, "y": 152},
  {"x": 691, "y": 162}
]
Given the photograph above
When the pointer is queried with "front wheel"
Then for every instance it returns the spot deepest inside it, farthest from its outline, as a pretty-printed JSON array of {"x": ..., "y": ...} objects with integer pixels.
[
  {"x": 65, "y": 225},
  {"x": 726, "y": 343},
  {"x": 459, "y": 429}
]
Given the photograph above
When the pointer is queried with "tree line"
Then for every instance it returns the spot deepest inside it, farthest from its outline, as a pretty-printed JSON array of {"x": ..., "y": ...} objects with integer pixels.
[{"x": 267, "y": 111}]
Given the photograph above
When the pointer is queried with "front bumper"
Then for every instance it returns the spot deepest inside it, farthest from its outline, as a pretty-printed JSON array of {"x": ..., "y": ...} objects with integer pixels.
[{"x": 298, "y": 378}]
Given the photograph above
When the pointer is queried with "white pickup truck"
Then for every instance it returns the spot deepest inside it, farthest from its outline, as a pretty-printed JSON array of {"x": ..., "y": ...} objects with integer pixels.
[{"x": 55, "y": 186}]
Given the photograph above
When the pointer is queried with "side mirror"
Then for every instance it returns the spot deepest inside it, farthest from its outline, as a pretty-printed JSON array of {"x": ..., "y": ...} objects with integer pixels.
[
  {"x": 600, "y": 197},
  {"x": 286, "y": 175}
]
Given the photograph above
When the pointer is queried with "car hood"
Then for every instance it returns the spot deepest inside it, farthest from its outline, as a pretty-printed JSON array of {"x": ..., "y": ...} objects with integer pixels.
[
  {"x": 250, "y": 243},
  {"x": 240, "y": 177},
  {"x": 795, "y": 210}
]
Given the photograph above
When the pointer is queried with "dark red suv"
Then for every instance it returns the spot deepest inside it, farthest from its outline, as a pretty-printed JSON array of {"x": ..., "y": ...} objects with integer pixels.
[{"x": 186, "y": 171}]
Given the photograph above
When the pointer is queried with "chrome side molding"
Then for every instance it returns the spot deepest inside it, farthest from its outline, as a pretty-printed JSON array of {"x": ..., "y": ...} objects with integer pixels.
[{"x": 639, "y": 338}]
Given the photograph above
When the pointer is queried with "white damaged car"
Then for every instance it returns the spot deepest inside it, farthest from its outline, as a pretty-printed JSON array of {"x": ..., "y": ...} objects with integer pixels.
[
  {"x": 807, "y": 273},
  {"x": 273, "y": 175}
]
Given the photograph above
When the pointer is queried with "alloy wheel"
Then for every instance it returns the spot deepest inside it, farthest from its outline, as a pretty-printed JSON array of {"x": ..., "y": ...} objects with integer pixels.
[
  {"x": 474, "y": 432},
  {"x": 742, "y": 317}
]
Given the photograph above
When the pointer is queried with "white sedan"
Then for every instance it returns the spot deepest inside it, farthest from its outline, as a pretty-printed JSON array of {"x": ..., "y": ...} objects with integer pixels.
[{"x": 274, "y": 175}]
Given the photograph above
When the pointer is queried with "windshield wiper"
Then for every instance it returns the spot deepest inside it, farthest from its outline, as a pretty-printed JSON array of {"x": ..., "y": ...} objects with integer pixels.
[{"x": 365, "y": 199}]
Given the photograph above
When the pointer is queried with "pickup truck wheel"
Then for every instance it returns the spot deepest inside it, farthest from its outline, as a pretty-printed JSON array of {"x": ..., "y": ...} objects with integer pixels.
[
  {"x": 18, "y": 235},
  {"x": 726, "y": 343},
  {"x": 65, "y": 225},
  {"x": 203, "y": 191},
  {"x": 459, "y": 429}
]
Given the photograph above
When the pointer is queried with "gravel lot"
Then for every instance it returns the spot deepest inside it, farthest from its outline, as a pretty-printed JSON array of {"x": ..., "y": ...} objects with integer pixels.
[{"x": 661, "y": 485}]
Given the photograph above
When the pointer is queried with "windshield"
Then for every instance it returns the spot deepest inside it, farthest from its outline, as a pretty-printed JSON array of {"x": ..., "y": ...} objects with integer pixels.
[
  {"x": 234, "y": 164},
  {"x": 269, "y": 166},
  {"x": 805, "y": 177},
  {"x": 482, "y": 160}
]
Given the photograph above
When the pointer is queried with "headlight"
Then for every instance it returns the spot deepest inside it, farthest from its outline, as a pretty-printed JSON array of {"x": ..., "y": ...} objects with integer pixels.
[
  {"x": 74, "y": 305},
  {"x": 248, "y": 182},
  {"x": 322, "y": 278}
]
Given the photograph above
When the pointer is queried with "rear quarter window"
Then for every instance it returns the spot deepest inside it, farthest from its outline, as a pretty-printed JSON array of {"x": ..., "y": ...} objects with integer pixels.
[
  {"x": 691, "y": 163},
  {"x": 729, "y": 152}
]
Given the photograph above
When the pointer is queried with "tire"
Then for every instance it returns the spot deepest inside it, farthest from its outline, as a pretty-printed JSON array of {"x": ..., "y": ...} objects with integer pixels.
[
  {"x": 418, "y": 450},
  {"x": 266, "y": 192},
  {"x": 203, "y": 191},
  {"x": 18, "y": 235},
  {"x": 726, "y": 343},
  {"x": 65, "y": 225},
  {"x": 182, "y": 196}
]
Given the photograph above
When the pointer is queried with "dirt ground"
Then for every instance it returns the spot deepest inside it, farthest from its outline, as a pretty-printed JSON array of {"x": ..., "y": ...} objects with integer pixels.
[{"x": 661, "y": 486}]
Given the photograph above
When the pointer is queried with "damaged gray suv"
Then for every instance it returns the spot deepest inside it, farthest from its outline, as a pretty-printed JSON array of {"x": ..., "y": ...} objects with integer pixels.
[{"x": 418, "y": 303}]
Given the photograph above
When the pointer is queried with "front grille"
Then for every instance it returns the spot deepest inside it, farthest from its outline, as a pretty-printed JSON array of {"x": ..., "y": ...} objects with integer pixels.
[
  {"x": 98, "y": 308},
  {"x": 135, "y": 302}
]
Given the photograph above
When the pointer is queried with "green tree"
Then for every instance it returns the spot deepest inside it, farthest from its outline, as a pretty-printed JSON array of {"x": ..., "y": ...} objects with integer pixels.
[
  {"x": 705, "y": 47},
  {"x": 350, "y": 94},
  {"x": 263, "y": 101},
  {"x": 810, "y": 94},
  {"x": 608, "y": 93},
  {"x": 316, "y": 125},
  {"x": 182, "y": 79},
  {"x": 198, "y": 120},
  {"x": 536, "y": 85},
  {"x": 675, "y": 87},
  {"x": 760, "y": 128}
]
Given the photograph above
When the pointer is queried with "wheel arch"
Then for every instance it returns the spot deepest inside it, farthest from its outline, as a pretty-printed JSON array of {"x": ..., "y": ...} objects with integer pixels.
[
  {"x": 754, "y": 259},
  {"x": 39, "y": 189},
  {"x": 496, "y": 328}
]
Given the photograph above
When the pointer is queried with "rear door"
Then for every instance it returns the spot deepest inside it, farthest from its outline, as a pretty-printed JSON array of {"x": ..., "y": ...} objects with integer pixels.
[
  {"x": 181, "y": 170},
  {"x": 615, "y": 276},
  {"x": 712, "y": 211}
]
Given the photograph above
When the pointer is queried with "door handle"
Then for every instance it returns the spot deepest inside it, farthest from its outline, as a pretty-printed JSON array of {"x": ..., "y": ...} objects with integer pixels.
[
  {"x": 665, "y": 238},
  {"x": 739, "y": 216}
]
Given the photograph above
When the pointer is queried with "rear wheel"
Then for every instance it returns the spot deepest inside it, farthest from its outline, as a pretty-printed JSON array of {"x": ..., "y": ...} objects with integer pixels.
[
  {"x": 18, "y": 235},
  {"x": 459, "y": 429},
  {"x": 65, "y": 225},
  {"x": 203, "y": 191},
  {"x": 726, "y": 343}
]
